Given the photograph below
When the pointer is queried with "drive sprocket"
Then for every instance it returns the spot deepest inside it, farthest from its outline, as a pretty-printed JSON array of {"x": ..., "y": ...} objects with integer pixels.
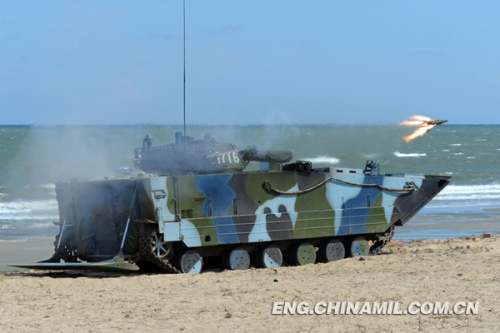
[{"x": 153, "y": 250}]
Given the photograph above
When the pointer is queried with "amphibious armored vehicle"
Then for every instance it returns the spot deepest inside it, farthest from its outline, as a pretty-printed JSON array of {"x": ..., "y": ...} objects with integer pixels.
[{"x": 194, "y": 201}]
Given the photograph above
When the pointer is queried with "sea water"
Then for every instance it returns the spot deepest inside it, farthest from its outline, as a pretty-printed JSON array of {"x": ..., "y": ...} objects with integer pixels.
[{"x": 33, "y": 158}]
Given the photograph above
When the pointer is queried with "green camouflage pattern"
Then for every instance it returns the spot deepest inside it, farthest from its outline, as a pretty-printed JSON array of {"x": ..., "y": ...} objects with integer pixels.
[{"x": 220, "y": 210}]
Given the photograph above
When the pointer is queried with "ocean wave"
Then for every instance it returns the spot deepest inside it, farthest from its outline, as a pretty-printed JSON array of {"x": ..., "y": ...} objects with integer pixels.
[
  {"x": 25, "y": 217},
  {"x": 48, "y": 186},
  {"x": 28, "y": 208},
  {"x": 471, "y": 197},
  {"x": 469, "y": 192},
  {"x": 398, "y": 154},
  {"x": 323, "y": 160}
]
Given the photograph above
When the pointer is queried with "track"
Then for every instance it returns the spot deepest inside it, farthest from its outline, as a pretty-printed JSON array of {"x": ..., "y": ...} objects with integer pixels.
[
  {"x": 382, "y": 241},
  {"x": 147, "y": 251}
]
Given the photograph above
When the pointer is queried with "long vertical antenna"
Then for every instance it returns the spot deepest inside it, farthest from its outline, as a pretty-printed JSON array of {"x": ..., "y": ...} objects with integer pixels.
[{"x": 184, "y": 102}]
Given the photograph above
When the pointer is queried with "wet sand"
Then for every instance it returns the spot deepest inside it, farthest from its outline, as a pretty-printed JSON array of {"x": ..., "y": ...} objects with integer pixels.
[
  {"x": 24, "y": 251},
  {"x": 454, "y": 223},
  {"x": 452, "y": 270}
]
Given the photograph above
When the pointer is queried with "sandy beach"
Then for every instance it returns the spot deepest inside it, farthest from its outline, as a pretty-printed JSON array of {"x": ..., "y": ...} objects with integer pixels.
[{"x": 453, "y": 270}]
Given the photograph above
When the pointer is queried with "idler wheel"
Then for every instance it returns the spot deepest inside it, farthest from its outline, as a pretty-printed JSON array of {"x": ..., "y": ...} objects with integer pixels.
[
  {"x": 331, "y": 250},
  {"x": 270, "y": 257},
  {"x": 237, "y": 259},
  {"x": 190, "y": 261},
  {"x": 302, "y": 254},
  {"x": 359, "y": 247}
]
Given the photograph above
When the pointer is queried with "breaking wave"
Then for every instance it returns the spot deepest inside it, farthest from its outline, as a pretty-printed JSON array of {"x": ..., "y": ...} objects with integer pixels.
[
  {"x": 28, "y": 210},
  {"x": 469, "y": 192},
  {"x": 323, "y": 160},
  {"x": 398, "y": 154}
]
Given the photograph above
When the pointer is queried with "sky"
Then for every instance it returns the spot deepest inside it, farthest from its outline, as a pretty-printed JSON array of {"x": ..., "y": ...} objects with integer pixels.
[{"x": 248, "y": 62}]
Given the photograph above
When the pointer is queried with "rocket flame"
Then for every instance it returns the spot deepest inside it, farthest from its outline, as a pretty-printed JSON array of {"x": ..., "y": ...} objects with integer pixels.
[{"x": 421, "y": 121}]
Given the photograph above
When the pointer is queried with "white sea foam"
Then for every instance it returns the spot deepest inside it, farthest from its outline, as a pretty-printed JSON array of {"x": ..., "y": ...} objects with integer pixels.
[
  {"x": 33, "y": 210},
  {"x": 470, "y": 192},
  {"x": 26, "y": 217},
  {"x": 323, "y": 160},
  {"x": 49, "y": 186},
  {"x": 456, "y": 144},
  {"x": 398, "y": 154}
]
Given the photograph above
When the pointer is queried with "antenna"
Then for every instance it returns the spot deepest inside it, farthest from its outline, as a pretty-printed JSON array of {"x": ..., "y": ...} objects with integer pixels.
[{"x": 184, "y": 92}]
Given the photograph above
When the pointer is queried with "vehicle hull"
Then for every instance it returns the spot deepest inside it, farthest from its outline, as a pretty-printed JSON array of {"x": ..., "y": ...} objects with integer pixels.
[{"x": 213, "y": 213}]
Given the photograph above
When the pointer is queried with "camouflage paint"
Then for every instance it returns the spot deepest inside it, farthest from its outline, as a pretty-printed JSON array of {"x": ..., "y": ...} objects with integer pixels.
[
  {"x": 220, "y": 198},
  {"x": 236, "y": 208}
]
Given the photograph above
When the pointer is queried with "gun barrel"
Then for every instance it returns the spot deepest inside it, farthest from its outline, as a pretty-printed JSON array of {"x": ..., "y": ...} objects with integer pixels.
[{"x": 276, "y": 156}]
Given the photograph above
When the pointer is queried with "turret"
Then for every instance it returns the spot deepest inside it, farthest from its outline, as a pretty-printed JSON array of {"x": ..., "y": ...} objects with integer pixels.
[{"x": 189, "y": 155}]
